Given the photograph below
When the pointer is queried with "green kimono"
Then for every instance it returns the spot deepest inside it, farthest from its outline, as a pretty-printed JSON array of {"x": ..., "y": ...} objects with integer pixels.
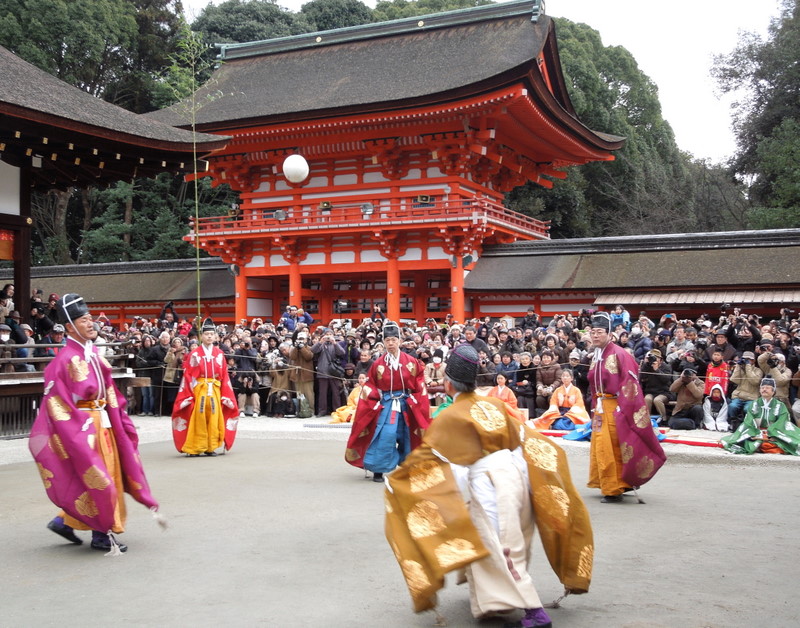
[{"x": 771, "y": 416}]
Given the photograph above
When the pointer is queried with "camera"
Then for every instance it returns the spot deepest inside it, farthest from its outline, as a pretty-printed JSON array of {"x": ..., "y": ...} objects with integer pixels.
[
  {"x": 772, "y": 361},
  {"x": 687, "y": 374},
  {"x": 651, "y": 359}
]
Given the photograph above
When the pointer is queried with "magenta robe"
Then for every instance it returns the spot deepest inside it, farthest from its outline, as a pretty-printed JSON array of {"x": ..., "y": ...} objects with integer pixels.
[
  {"x": 63, "y": 440},
  {"x": 616, "y": 374}
]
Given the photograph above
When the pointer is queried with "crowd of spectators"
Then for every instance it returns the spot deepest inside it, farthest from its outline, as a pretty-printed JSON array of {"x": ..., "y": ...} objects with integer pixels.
[{"x": 296, "y": 366}]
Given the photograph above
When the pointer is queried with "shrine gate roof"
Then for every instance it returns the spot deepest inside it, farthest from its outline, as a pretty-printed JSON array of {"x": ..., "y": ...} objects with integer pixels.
[
  {"x": 40, "y": 114},
  {"x": 406, "y": 63}
]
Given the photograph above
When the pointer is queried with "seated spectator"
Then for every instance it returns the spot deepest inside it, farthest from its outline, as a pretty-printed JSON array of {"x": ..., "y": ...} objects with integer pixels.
[
  {"x": 796, "y": 404},
  {"x": 721, "y": 344},
  {"x": 715, "y": 410},
  {"x": 5, "y": 353},
  {"x": 716, "y": 372},
  {"x": 655, "y": 378},
  {"x": 471, "y": 338},
  {"x": 566, "y": 407},
  {"x": 508, "y": 367},
  {"x": 766, "y": 427},
  {"x": 548, "y": 377},
  {"x": 434, "y": 378},
  {"x": 688, "y": 411},
  {"x": 640, "y": 342},
  {"x": 502, "y": 392},
  {"x": 747, "y": 377},
  {"x": 525, "y": 386},
  {"x": 486, "y": 370},
  {"x": 345, "y": 413}
]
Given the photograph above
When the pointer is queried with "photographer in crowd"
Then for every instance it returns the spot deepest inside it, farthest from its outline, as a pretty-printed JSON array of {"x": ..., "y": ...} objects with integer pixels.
[
  {"x": 688, "y": 411},
  {"x": 773, "y": 365},
  {"x": 655, "y": 378},
  {"x": 302, "y": 359},
  {"x": 747, "y": 377},
  {"x": 329, "y": 355}
]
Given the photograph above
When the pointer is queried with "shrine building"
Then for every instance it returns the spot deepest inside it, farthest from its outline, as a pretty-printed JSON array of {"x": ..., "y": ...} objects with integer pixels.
[
  {"x": 413, "y": 131},
  {"x": 56, "y": 136}
]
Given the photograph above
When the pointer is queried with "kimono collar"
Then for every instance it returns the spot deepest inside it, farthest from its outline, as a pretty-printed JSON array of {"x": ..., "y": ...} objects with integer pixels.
[{"x": 87, "y": 348}]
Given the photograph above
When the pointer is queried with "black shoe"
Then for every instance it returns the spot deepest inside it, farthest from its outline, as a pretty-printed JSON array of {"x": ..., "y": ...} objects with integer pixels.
[
  {"x": 65, "y": 531},
  {"x": 211, "y": 453},
  {"x": 377, "y": 477},
  {"x": 105, "y": 546},
  {"x": 192, "y": 455},
  {"x": 611, "y": 499}
]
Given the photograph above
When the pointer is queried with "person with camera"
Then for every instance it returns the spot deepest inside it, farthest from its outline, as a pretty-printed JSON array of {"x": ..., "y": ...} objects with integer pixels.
[
  {"x": 393, "y": 410},
  {"x": 278, "y": 364},
  {"x": 246, "y": 382},
  {"x": 773, "y": 363},
  {"x": 434, "y": 378},
  {"x": 721, "y": 344},
  {"x": 173, "y": 371},
  {"x": 656, "y": 379},
  {"x": 766, "y": 427},
  {"x": 41, "y": 324},
  {"x": 486, "y": 370},
  {"x": 679, "y": 345},
  {"x": 688, "y": 411},
  {"x": 329, "y": 356},
  {"x": 302, "y": 359},
  {"x": 746, "y": 376}
]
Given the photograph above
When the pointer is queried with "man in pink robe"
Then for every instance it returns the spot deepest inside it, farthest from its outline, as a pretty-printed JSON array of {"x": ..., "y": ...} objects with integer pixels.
[
  {"x": 84, "y": 443},
  {"x": 625, "y": 451}
]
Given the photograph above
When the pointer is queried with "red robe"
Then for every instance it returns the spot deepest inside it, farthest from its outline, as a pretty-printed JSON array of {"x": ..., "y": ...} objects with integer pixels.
[
  {"x": 381, "y": 379},
  {"x": 196, "y": 367}
]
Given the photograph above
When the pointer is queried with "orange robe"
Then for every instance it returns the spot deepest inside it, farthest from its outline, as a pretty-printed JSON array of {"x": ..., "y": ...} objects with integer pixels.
[
  {"x": 564, "y": 398},
  {"x": 507, "y": 396}
]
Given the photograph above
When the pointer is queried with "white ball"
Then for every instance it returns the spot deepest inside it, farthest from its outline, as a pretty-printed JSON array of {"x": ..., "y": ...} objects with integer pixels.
[{"x": 295, "y": 168}]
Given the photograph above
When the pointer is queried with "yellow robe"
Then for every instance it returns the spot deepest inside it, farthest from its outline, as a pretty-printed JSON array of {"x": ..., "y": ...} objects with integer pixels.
[
  {"x": 346, "y": 413},
  {"x": 428, "y": 524}
]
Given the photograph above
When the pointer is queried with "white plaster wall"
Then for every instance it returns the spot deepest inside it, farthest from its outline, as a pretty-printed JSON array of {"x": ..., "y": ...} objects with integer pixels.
[
  {"x": 343, "y": 257},
  {"x": 9, "y": 189}
]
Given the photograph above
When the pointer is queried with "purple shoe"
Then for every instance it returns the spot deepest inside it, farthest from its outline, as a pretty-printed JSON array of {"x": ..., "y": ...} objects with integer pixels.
[{"x": 536, "y": 618}]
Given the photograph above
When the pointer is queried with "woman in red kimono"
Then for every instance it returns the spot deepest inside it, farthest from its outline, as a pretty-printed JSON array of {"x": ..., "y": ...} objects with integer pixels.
[{"x": 205, "y": 413}]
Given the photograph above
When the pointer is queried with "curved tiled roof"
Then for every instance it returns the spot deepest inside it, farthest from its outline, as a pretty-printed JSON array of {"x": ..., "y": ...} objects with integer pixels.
[
  {"x": 33, "y": 94},
  {"x": 386, "y": 66}
]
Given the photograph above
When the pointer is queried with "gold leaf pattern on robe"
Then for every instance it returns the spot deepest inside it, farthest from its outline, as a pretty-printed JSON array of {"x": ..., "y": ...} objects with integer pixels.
[
  {"x": 415, "y": 577},
  {"x": 424, "y": 519},
  {"x": 111, "y": 398},
  {"x": 351, "y": 454},
  {"x": 91, "y": 439},
  {"x": 133, "y": 484},
  {"x": 612, "y": 366},
  {"x": 642, "y": 418},
  {"x": 630, "y": 389},
  {"x": 585, "y": 561},
  {"x": 380, "y": 371},
  {"x": 626, "y": 451},
  {"x": 85, "y": 505},
  {"x": 46, "y": 474},
  {"x": 58, "y": 447},
  {"x": 556, "y": 496},
  {"x": 365, "y": 390},
  {"x": 542, "y": 454},
  {"x": 487, "y": 416},
  {"x": 424, "y": 475},
  {"x": 364, "y": 432},
  {"x": 95, "y": 478},
  {"x": 387, "y": 506},
  {"x": 454, "y": 552},
  {"x": 58, "y": 409},
  {"x": 105, "y": 362},
  {"x": 644, "y": 468},
  {"x": 412, "y": 368},
  {"x": 78, "y": 369}
]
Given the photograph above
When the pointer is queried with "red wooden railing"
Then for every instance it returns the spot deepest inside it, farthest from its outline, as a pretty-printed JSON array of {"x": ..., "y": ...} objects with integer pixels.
[{"x": 349, "y": 217}]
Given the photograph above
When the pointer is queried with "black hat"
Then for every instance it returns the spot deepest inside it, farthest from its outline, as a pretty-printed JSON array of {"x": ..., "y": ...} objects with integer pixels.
[
  {"x": 71, "y": 307},
  {"x": 768, "y": 381},
  {"x": 601, "y": 320},
  {"x": 208, "y": 325},
  {"x": 391, "y": 330},
  {"x": 462, "y": 364}
]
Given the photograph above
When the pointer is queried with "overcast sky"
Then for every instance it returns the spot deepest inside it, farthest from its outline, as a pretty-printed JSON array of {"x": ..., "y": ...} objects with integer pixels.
[{"x": 673, "y": 43}]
